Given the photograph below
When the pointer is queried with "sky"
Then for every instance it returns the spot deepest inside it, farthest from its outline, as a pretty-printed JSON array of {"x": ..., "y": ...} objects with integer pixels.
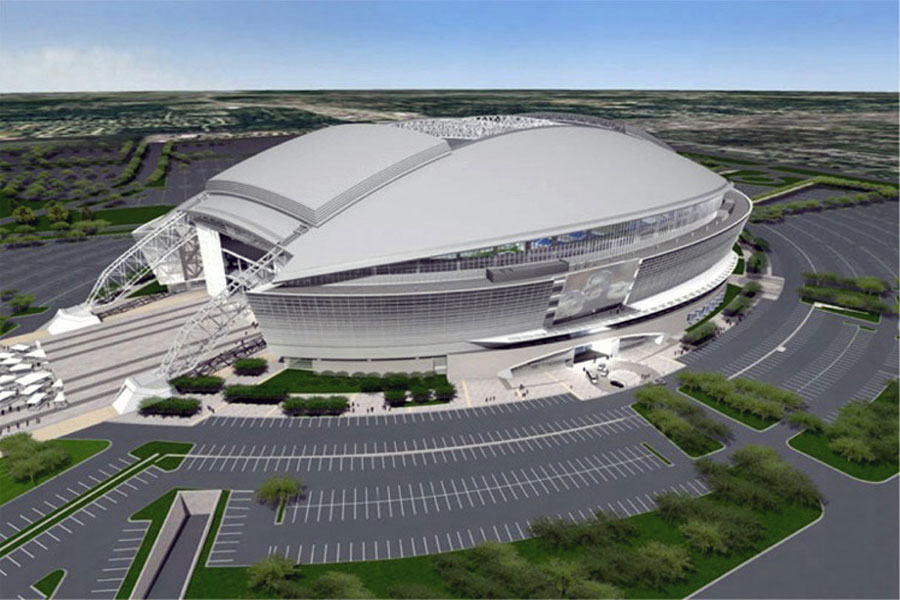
[{"x": 99, "y": 45}]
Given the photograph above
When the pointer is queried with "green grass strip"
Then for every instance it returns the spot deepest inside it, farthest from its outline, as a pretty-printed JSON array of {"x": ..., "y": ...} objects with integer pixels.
[
  {"x": 51, "y": 519},
  {"x": 164, "y": 449},
  {"x": 78, "y": 451},
  {"x": 657, "y": 453},
  {"x": 155, "y": 512},
  {"x": 731, "y": 292},
  {"x": 816, "y": 446},
  {"x": 711, "y": 445},
  {"x": 48, "y": 583},
  {"x": 863, "y": 315},
  {"x": 204, "y": 578},
  {"x": 752, "y": 421},
  {"x": 279, "y": 518},
  {"x": 31, "y": 310}
]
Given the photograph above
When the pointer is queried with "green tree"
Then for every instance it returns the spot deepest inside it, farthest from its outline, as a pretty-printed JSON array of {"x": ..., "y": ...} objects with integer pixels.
[
  {"x": 705, "y": 536},
  {"x": 562, "y": 574},
  {"x": 271, "y": 574},
  {"x": 57, "y": 212},
  {"x": 21, "y": 303},
  {"x": 664, "y": 563},
  {"x": 276, "y": 490},
  {"x": 853, "y": 449},
  {"x": 7, "y": 294},
  {"x": 334, "y": 584},
  {"x": 23, "y": 214},
  {"x": 805, "y": 420},
  {"x": 588, "y": 588}
]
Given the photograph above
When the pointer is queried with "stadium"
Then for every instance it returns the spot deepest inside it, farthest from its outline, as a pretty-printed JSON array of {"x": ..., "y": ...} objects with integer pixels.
[{"x": 473, "y": 247}]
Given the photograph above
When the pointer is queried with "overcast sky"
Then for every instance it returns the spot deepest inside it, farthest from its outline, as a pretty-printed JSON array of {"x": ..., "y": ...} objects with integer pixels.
[{"x": 752, "y": 45}]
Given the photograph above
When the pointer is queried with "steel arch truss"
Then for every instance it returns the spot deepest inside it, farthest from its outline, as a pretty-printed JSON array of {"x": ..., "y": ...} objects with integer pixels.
[
  {"x": 159, "y": 242},
  {"x": 202, "y": 332}
]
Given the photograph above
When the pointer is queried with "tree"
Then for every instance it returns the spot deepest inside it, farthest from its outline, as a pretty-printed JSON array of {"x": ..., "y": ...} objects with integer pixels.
[
  {"x": 853, "y": 449},
  {"x": 8, "y": 293},
  {"x": 24, "y": 215},
  {"x": 757, "y": 262},
  {"x": 21, "y": 303},
  {"x": 664, "y": 563},
  {"x": 705, "y": 536},
  {"x": 588, "y": 588},
  {"x": 272, "y": 573},
  {"x": 277, "y": 490},
  {"x": 562, "y": 574},
  {"x": 804, "y": 420},
  {"x": 57, "y": 212},
  {"x": 340, "y": 585}
]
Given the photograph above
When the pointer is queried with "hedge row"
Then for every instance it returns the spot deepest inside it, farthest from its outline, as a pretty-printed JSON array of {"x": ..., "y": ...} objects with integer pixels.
[
  {"x": 701, "y": 334},
  {"x": 776, "y": 212},
  {"x": 866, "y": 285},
  {"x": 742, "y": 395},
  {"x": 315, "y": 406},
  {"x": 255, "y": 394},
  {"x": 846, "y": 299},
  {"x": 250, "y": 366},
  {"x": 162, "y": 165},
  {"x": 198, "y": 385},
  {"x": 133, "y": 165},
  {"x": 174, "y": 406}
]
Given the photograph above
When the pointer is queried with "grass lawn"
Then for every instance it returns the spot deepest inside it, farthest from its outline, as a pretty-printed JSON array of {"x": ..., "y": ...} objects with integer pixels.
[
  {"x": 31, "y": 310},
  {"x": 710, "y": 446},
  {"x": 169, "y": 463},
  {"x": 154, "y": 287},
  {"x": 657, "y": 453},
  {"x": 816, "y": 446},
  {"x": 7, "y": 327},
  {"x": 380, "y": 576},
  {"x": 739, "y": 267},
  {"x": 747, "y": 419},
  {"x": 854, "y": 314},
  {"x": 155, "y": 512},
  {"x": 296, "y": 381},
  {"x": 132, "y": 215},
  {"x": 731, "y": 292},
  {"x": 78, "y": 451},
  {"x": 49, "y": 582}
]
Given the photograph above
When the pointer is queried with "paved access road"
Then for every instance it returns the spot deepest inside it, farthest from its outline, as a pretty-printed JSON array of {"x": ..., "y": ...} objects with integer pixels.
[{"x": 408, "y": 484}]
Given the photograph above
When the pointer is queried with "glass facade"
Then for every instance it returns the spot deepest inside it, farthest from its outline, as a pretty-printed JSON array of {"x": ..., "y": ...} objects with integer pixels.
[
  {"x": 401, "y": 319},
  {"x": 583, "y": 245}
]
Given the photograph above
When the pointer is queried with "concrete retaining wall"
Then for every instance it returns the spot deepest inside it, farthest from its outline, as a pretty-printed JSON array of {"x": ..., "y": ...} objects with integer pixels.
[{"x": 178, "y": 514}]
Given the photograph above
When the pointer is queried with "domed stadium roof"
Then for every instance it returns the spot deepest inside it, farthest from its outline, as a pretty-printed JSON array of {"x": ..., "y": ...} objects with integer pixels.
[{"x": 376, "y": 194}]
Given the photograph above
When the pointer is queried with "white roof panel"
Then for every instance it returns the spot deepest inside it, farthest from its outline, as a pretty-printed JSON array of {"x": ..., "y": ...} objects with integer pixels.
[
  {"x": 314, "y": 176},
  {"x": 520, "y": 185}
]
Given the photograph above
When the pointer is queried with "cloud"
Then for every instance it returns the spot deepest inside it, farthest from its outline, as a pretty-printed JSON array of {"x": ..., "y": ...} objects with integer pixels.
[{"x": 60, "y": 69}]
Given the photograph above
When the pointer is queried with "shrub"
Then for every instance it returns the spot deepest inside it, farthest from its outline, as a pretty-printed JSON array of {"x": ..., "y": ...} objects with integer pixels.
[
  {"x": 250, "y": 366},
  {"x": 334, "y": 584},
  {"x": 704, "y": 332},
  {"x": 758, "y": 262},
  {"x": 395, "y": 397},
  {"x": 805, "y": 420},
  {"x": 173, "y": 406},
  {"x": 255, "y": 394},
  {"x": 8, "y": 293},
  {"x": 198, "y": 385},
  {"x": 444, "y": 392},
  {"x": 664, "y": 563},
  {"x": 21, "y": 303},
  {"x": 315, "y": 406},
  {"x": 751, "y": 289},
  {"x": 271, "y": 574}
]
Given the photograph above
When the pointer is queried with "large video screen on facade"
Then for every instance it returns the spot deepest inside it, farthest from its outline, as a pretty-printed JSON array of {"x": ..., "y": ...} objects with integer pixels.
[{"x": 593, "y": 290}]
